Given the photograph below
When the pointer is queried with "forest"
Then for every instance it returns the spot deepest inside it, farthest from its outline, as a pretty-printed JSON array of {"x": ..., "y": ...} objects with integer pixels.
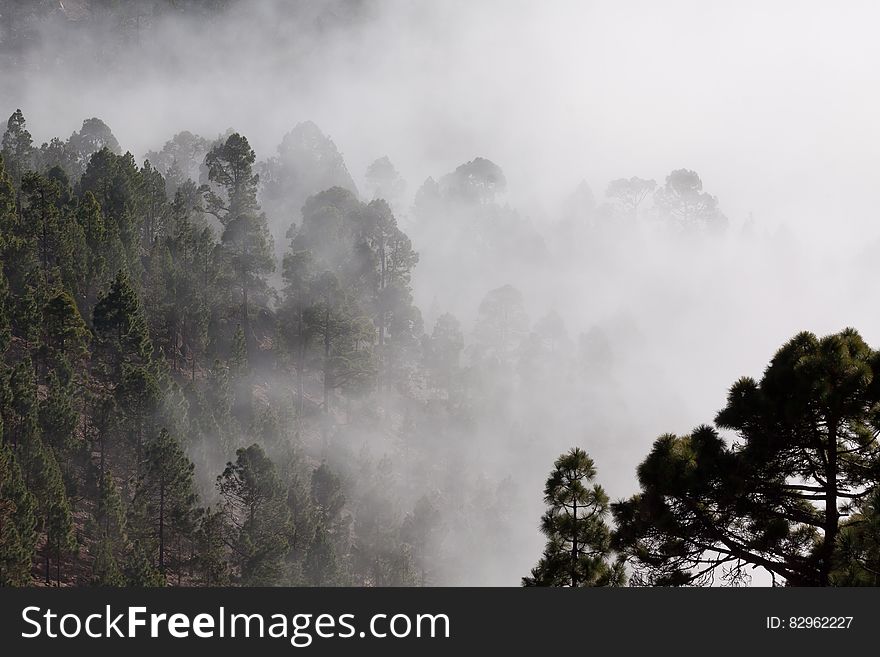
[{"x": 230, "y": 365}]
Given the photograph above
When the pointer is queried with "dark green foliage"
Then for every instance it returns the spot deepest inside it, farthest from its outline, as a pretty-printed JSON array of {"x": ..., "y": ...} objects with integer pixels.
[
  {"x": 126, "y": 308},
  {"x": 805, "y": 454},
  {"x": 65, "y": 337},
  {"x": 5, "y": 329},
  {"x": 17, "y": 147},
  {"x": 120, "y": 330},
  {"x": 93, "y": 137},
  {"x": 143, "y": 342},
  {"x": 578, "y": 551},
  {"x": 119, "y": 188},
  {"x": 165, "y": 497},
  {"x": 139, "y": 570},
  {"x": 256, "y": 515},
  {"x": 58, "y": 416},
  {"x": 857, "y": 558},
  {"x": 109, "y": 535},
  {"x": 211, "y": 565},
  {"x": 17, "y": 522},
  {"x": 247, "y": 244}
]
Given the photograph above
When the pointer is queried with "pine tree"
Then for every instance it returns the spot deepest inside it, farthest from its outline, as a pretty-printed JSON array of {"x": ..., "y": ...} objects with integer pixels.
[
  {"x": 398, "y": 322},
  {"x": 58, "y": 417},
  {"x": 421, "y": 530},
  {"x": 117, "y": 185},
  {"x": 65, "y": 336},
  {"x": 102, "y": 252},
  {"x": 293, "y": 328},
  {"x": 219, "y": 400},
  {"x": 120, "y": 330},
  {"x": 5, "y": 329},
  {"x": 578, "y": 548},
  {"x": 139, "y": 570},
  {"x": 156, "y": 211},
  {"x": 17, "y": 147},
  {"x": 41, "y": 471},
  {"x": 247, "y": 244},
  {"x": 18, "y": 259},
  {"x": 857, "y": 561},
  {"x": 93, "y": 137},
  {"x": 344, "y": 339},
  {"x": 20, "y": 411},
  {"x": 110, "y": 534},
  {"x": 59, "y": 528},
  {"x": 166, "y": 493},
  {"x": 210, "y": 549},
  {"x": 18, "y": 521},
  {"x": 256, "y": 512},
  {"x": 329, "y": 500},
  {"x": 138, "y": 399},
  {"x": 442, "y": 354},
  {"x": 41, "y": 219},
  {"x": 242, "y": 406},
  {"x": 320, "y": 566},
  {"x": 804, "y": 454}
]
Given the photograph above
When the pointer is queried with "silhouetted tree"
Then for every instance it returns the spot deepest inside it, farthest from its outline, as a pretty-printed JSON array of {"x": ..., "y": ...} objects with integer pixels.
[{"x": 806, "y": 452}]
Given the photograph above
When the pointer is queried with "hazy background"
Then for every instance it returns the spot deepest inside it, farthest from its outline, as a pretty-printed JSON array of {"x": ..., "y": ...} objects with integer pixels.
[{"x": 774, "y": 105}]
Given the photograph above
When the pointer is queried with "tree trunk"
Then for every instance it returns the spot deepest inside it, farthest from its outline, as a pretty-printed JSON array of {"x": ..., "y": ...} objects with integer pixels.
[
  {"x": 831, "y": 514},
  {"x": 574, "y": 547},
  {"x": 300, "y": 368},
  {"x": 162, "y": 528},
  {"x": 245, "y": 320}
]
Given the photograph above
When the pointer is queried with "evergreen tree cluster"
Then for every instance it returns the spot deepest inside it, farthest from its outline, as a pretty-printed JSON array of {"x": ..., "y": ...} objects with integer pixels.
[
  {"x": 794, "y": 492},
  {"x": 143, "y": 330},
  {"x": 213, "y": 371}
]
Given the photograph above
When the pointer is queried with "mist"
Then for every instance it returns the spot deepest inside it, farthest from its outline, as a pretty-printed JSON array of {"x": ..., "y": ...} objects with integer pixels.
[{"x": 773, "y": 106}]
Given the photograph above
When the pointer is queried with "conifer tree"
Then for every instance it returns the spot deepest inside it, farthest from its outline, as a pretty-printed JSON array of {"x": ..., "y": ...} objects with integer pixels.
[
  {"x": 17, "y": 147},
  {"x": 65, "y": 336},
  {"x": 58, "y": 527},
  {"x": 18, "y": 259},
  {"x": 442, "y": 354},
  {"x": 166, "y": 493},
  {"x": 344, "y": 339},
  {"x": 17, "y": 521},
  {"x": 320, "y": 565},
  {"x": 242, "y": 406},
  {"x": 139, "y": 570},
  {"x": 109, "y": 534},
  {"x": 211, "y": 563},
  {"x": 247, "y": 244},
  {"x": 102, "y": 252},
  {"x": 397, "y": 321},
  {"x": 116, "y": 183},
  {"x": 857, "y": 561},
  {"x": 58, "y": 416},
  {"x": 578, "y": 551},
  {"x": 120, "y": 330},
  {"x": 219, "y": 404},
  {"x": 257, "y": 515},
  {"x": 5, "y": 329},
  {"x": 805, "y": 454},
  {"x": 42, "y": 474}
]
